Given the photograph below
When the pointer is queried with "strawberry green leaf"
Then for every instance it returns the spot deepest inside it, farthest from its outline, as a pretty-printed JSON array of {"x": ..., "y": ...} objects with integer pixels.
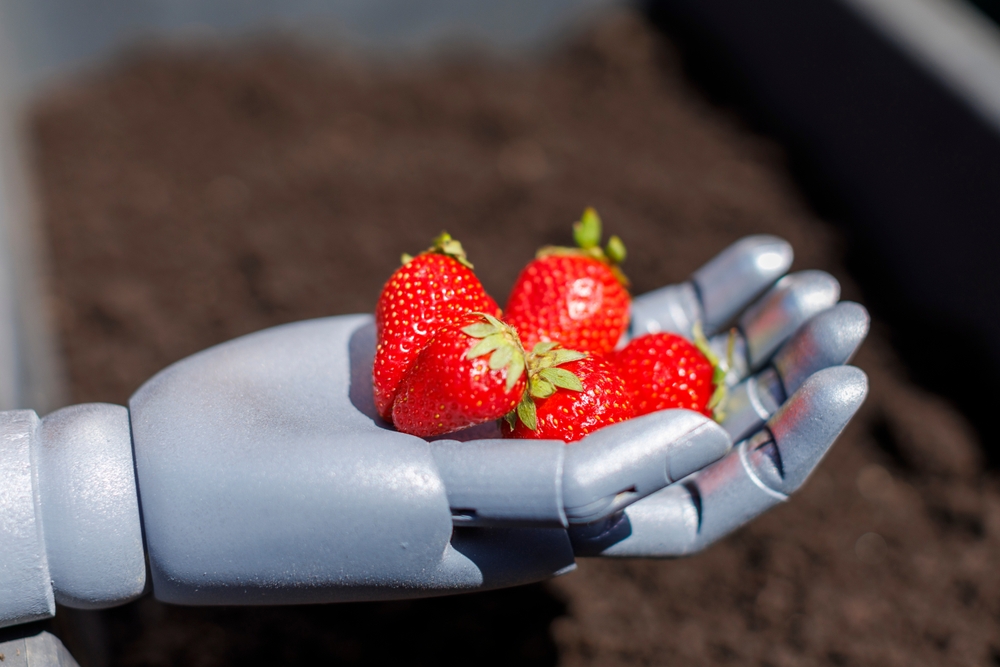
[
  {"x": 494, "y": 321},
  {"x": 511, "y": 418},
  {"x": 616, "y": 250},
  {"x": 544, "y": 346},
  {"x": 560, "y": 357},
  {"x": 562, "y": 378},
  {"x": 444, "y": 244},
  {"x": 587, "y": 232},
  {"x": 540, "y": 387},
  {"x": 479, "y": 330},
  {"x": 514, "y": 371},
  {"x": 720, "y": 368},
  {"x": 701, "y": 343},
  {"x": 536, "y": 363},
  {"x": 501, "y": 357},
  {"x": 717, "y": 403},
  {"x": 526, "y": 412},
  {"x": 488, "y": 344},
  {"x": 717, "y": 396},
  {"x": 451, "y": 247}
]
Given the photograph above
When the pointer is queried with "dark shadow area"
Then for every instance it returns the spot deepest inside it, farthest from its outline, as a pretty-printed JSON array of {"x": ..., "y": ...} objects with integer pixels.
[
  {"x": 879, "y": 147},
  {"x": 25, "y": 630},
  {"x": 497, "y": 628},
  {"x": 990, "y": 8},
  {"x": 890, "y": 446},
  {"x": 507, "y": 556},
  {"x": 945, "y": 358},
  {"x": 591, "y": 540}
]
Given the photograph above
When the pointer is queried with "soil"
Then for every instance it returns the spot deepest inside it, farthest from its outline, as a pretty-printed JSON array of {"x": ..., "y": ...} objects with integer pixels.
[{"x": 194, "y": 196}]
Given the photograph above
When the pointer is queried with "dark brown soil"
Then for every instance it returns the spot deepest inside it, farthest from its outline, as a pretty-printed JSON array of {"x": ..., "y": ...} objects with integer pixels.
[{"x": 191, "y": 198}]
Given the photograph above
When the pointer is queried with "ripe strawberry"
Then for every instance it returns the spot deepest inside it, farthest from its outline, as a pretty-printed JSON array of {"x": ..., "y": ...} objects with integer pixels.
[
  {"x": 429, "y": 291},
  {"x": 469, "y": 373},
  {"x": 664, "y": 370},
  {"x": 574, "y": 296},
  {"x": 567, "y": 410}
]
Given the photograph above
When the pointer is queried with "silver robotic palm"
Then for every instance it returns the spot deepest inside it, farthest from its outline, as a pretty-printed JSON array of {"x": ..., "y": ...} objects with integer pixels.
[{"x": 257, "y": 472}]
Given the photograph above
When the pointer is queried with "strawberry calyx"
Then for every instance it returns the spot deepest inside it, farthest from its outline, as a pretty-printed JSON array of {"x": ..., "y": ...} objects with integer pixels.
[
  {"x": 544, "y": 379},
  {"x": 587, "y": 235},
  {"x": 444, "y": 244},
  {"x": 720, "y": 367},
  {"x": 500, "y": 341}
]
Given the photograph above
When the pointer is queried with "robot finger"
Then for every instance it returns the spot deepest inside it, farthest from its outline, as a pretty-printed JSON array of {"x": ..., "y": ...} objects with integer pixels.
[
  {"x": 759, "y": 473},
  {"x": 773, "y": 319},
  {"x": 716, "y": 292},
  {"x": 546, "y": 484},
  {"x": 828, "y": 339},
  {"x": 620, "y": 464}
]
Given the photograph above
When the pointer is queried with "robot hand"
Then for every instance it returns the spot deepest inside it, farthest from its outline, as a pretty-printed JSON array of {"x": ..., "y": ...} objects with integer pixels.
[{"x": 265, "y": 477}]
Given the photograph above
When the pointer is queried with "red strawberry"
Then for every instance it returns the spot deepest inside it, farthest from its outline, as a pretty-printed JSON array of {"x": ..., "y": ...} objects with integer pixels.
[
  {"x": 565, "y": 410},
  {"x": 429, "y": 291},
  {"x": 573, "y": 296},
  {"x": 469, "y": 373},
  {"x": 664, "y": 370}
]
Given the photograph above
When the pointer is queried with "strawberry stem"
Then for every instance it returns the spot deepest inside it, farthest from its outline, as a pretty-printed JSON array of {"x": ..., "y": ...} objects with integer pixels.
[
  {"x": 587, "y": 235},
  {"x": 444, "y": 244}
]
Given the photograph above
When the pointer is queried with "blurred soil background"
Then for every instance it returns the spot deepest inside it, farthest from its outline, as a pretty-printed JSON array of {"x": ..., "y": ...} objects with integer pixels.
[{"x": 194, "y": 196}]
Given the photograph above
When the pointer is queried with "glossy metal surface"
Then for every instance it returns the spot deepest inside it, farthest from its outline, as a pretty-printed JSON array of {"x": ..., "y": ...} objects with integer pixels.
[
  {"x": 788, "y": 305},
  {"x": 752, "y": 402},
  {"x": 828, "y": 339},
  {"x": 618, "y": 465},
  {"x": 738, "y": 275},
  {"x": 716, "y": 292},
  {"x": 673, "y": 309}
]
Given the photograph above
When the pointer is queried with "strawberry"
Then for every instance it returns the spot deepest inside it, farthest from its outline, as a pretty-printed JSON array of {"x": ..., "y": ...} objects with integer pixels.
[
  {"x": 664, "y": 370},
  {"x": 574, "y": 296},
  {"x": 569, "y": 401},
  {"x": 429, "y": 291},
  {"x": 469, "y": 373}
]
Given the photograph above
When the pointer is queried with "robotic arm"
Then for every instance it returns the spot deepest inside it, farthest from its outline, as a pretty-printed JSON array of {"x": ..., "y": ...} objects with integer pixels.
[{"x": 257, "y": 472}]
